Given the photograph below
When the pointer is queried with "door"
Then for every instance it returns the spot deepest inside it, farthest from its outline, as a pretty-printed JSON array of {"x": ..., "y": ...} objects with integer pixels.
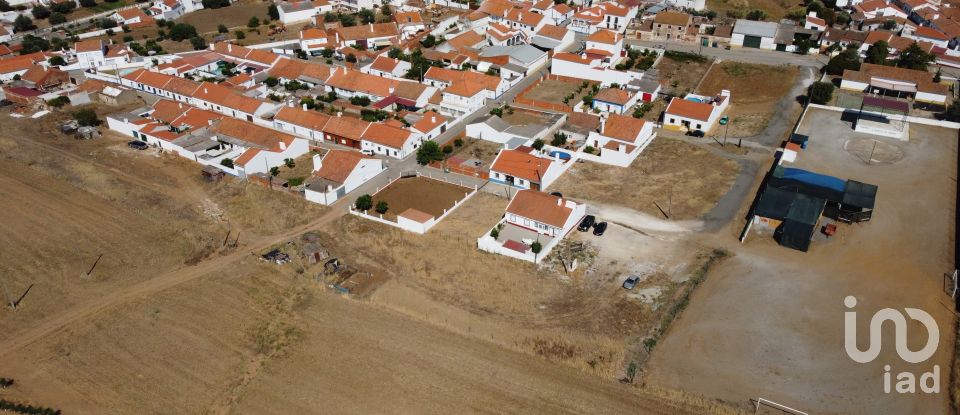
[{"x": 751, "y": 41}]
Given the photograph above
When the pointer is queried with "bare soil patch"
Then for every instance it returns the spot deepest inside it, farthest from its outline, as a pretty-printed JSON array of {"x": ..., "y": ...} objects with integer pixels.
[
  {"x": 552, "y": 90},
  {"x": 681, "y": 77},
  {"x": 756, "y": 90},
  {"x": 682, "y": 178},
  {"x": 775, "y": 9},
  {"x": 475, "y": 148},
  {"x": 426, "y": 195}
]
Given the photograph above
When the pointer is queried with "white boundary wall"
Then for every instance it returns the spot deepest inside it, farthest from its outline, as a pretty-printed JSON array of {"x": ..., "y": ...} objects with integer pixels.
[{"x": 410, "y": 225}]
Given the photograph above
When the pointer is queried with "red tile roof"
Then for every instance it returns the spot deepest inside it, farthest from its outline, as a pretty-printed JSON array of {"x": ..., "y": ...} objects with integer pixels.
[
  {"x": 623, "y": 127},
  {"x": 337, "y": 165},
  {"x": 541, "y": 207},
  {"x": 690, "y": 109},
  {"x": 521, "y": 164}
]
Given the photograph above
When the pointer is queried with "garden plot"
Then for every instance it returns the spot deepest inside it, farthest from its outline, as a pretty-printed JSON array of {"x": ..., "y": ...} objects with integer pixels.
[{"x": 413, "y": 203}]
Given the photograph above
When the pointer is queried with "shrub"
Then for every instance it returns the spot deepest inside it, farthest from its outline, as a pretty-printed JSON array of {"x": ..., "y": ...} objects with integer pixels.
[
  {"x": 253, "y": 22},
  {"x": 271, "y": 81},
  {"x": 382, "y": 207},
  {"x": 494, "y": 233},
  {"x": 57, "y": 18},
  {"x": 86, "y": 117},
  {"x": 447, "y": 149},
  {"x": 429, "y": 151},
  {"x": 198, "y": 43},
  {"x": 40, "y": 12},
  {"x": 58, "y": 102},
  {"x": 57, "y": 61},
  {"x": 537, "y": 144},
  {"x": 360, "y": 101},
  {"x": 458, "y": 142},
  {"x": 182, "y": 31},
  {"x": 588, "y": 150},
  {"x": 222, "y": 28},
  {"x": 240, "y": 35},
  {"x": 821, "y": 92},
  {"x": 290, "y": 163},
  {"x": 559, "y": 139},
  {"x": 295, "y": 181},
  {"x": 228, "y": 162},
  {"x": 363, "y": 203}
]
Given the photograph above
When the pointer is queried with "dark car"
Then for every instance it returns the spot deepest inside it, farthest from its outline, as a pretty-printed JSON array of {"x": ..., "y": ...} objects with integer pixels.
[
  {"x": 600, "y": 228},
  {"x": 586, "y": 223},
  {"x": 695, "y": 133},
  {"x": 631, "y": 282},
  {"x": 137, "y": 145}
]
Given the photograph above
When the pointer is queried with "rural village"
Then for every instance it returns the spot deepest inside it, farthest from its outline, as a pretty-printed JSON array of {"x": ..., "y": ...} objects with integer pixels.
[{"x": 507, "y": 206}]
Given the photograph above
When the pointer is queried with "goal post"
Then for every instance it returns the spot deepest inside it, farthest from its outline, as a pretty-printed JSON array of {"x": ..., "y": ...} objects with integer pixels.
[{"x": 766, "y": 402}]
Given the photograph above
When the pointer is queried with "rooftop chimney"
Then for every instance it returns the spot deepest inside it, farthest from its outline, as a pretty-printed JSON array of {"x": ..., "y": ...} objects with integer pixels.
[
  {"x": 205, "y": 90},
  {"x": 283, "y": 146},
  {"x": 371, "y": 27},
  {"x": 559, "y": 201},
  {"x": 229, "y": 47},
  {"x": 304, "y": 106},
  {"x": 433, "y": 119}
]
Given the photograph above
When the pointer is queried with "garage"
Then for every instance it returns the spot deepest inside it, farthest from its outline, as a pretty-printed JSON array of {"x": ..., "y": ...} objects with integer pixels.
[
  {"x": 756, "y": 35},
  {"x": 751, "y": 41}
]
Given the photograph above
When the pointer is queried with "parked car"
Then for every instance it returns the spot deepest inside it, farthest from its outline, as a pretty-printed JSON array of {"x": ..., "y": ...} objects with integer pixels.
[
  {"x": 600, "y": 228},
  {"x": 586, "y": 223},
  {"x": 138, "y": 145},
  {"x": 695, "y": 133},
  {"x": 631, "y": 282}
]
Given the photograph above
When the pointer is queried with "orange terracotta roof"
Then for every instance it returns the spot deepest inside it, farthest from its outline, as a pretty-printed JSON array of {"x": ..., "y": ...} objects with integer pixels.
[
  {"x": 387, "y": 135},
  {"x": 403, "y": 18},
  {"x": 246, "y": 156},
  {"x": 552, "y": 32},
  {"x": 541, "y": 207},
  {"x": 295, "y": 68},
  {"x": 451, "y": 76},
  {"x": 227, "y": 97},
  {"x": 930, "y": 33},
  {"x": 524, "y": 17},
  {"x": 337, "y": 165},
  {"x": 613, "y": 95},
  {"x": 416, "y": 215},
  {"x": 605, "y": 36},
  {"x": 305, "y": 118},
  {"x": 89, "y": 45},
  {"x": 312, "y": 33},
  {"x": 690, "y": 109},
  {"x": 466, "y": 40},
  {"x": 672, "y": 18},
  {"x": 623, "y": 127},
  {"x": 254, "y": 135},
  {"x": 565, "y": 56},
  {"x": 165, "y": 110},
  {"x": 384, "y": 64},
  {"x": 348, "y": 127},
  {"x": 352, "y": 80},
  {"x": 430, "y": 121},
  {"x": 521, "y": 164},
  {"x": 367, "y": 31}
]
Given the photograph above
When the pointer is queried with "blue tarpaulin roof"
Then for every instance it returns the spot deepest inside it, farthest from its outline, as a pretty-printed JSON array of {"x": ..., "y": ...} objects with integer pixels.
[
  {"x": 815, "y": 179},
  {"x": 809, "y": 183}
]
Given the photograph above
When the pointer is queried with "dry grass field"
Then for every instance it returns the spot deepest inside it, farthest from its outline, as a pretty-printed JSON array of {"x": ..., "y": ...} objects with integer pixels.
[
  {"x": 172, "y": 322},
  {"x": 694, "y": 176},
  {"x": 681, "y": 77},
  {"x": 756, "y": 90},
  {"x": 775, "y": 9},
  {"x": 552, "y": 90}
]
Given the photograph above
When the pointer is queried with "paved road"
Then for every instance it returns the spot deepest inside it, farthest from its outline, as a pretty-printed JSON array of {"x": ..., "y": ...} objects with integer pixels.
[{"x": 747, "y": 55}]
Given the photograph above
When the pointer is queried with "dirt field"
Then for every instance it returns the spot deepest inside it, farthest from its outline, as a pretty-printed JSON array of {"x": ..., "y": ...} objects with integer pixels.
[
  {"x": 756, "y": 89},
  {"x": 696, "y": 177},
  {"x": 775, "y": 9},
  {"x": 521, "y": 116},
  {"x": 552, "y": 90},
  {"x": 679, "y": 78},
  {"x": 474, "y": 148},
  {"x": 770, "y": 322},
  {"x": 420, "y": 193},
  {"x": 236, "y": 334}
]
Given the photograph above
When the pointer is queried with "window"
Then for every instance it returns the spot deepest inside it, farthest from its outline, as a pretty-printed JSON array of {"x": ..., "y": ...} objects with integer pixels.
[
  {"x": 698, "y": 126},
  {"x": 673, "y": 120}
]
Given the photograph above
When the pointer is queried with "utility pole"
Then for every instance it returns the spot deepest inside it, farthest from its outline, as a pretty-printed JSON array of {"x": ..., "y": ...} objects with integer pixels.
[
  {"x": 6, "y": 292},
  {"x": 725, "y": 122}
]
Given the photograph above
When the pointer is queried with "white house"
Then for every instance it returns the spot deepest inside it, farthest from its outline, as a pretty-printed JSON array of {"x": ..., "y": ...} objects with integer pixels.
[
  {"x": 132, "y": 17},
  {"x": 532, "y": 218},
  {"x": 695, "y": 112},
  {"x": 431, "y": 125},
  {"x": 340, "y": 172},
  {"x": 313, "y": 41},
  {"x": 553, "y": 38},
  {"x": 605, "y": 45},
  {"x": 409, "y": 22},
  {"x": 929, "y": 35},
  {"x": 389, "y": 140},
  {"x": 301, "y": 122},
  {"x": 577, "y": 66},
  {"x": 387, "y": 67},
  {"x": 614, "y": 100},
  {"x": 526, "y": 168},
  {"x": 302, "y": 11},
  {"x": 620, "y": 140},
  {"x": 609, "y": 15},
  {"x": 697, "y": 5},
  {"x": 812, "y": 22}
]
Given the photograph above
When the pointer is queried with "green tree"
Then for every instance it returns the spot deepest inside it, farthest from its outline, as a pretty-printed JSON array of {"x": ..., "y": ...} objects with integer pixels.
[
  {"x": 382, "y": 207},
  {"x": 88, "y": 3},
  {"x": 537, "y": 144},
  {"x": 559, "y": 139},
  {"x": 429, "y": 41},
  {"x": 363, "y": 203},
  {"x": 58, "y": 101},
  {"x": 253, "y": 22},
  {"x": 360, "y": 100},
  {"x": 367, "y": 16},
  {"x": 271, "y": 81},
  {"x": 347, "y": 20},
  {"x": 273, "y": 12},
  {"x": 458, "y": 142},
  {"x": 326, "y": 52},
  {"x": 878, "y": 53},
  {"x": 86, "y": 117},
  {"x": 889, "y": 24},
  {"x": 847, "y": 59},
  {"x": 428, "y": 152},
  {"x": 290, "y": 163},
  {"x": 386, "y": 10},
  {"x": 821, "y": 92},
  {"x": 5, "y": 6},
  {"x": 40, "y": 12},
  {"x": 57, "y": 18},
  {"x": 31, "y": 44},
  {"x": 351, "y": 58},
  {"x": 227, "y": 162},
  {"x": 198, "y": 43},
  {"x": 937, "y": 76},
  {"x": 240, "y": 35},
  {"x": 222, "y": 28},
  {"x": 57, "y": 61},
  {"x": 182, "y": 31},
  {"x": 23, "y": 23},
  {"x": 757, "y": 14},
  {"x": 914, "y": 57},
  {"x": 274, "y": 171},
  {"x": 952, "y": 113},
  {"x": 447, "y": 149},
  {"x": 535, "y": 247}
]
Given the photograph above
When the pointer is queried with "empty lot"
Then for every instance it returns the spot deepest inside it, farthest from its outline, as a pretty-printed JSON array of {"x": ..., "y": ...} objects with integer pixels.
[
  {"x": 755, "y": 89},
  {"x": 426, "y": 195},
  {"x": 769, "y": 322},
  {"x": 680, "y": 178}
]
